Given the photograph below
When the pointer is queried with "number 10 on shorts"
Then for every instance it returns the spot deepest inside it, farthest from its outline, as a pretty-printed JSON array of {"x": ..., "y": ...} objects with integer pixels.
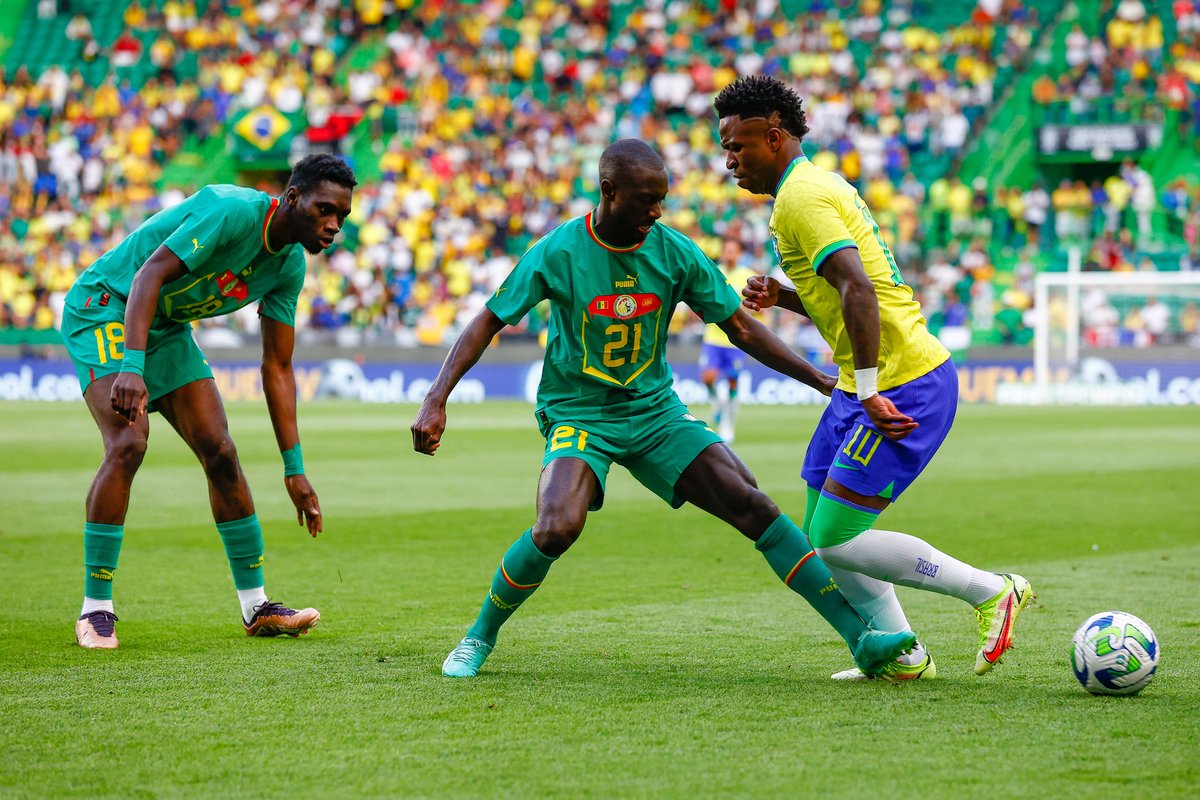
[
  {"x": 110, "y": 337},
  {"x": 566, "y": 436}
]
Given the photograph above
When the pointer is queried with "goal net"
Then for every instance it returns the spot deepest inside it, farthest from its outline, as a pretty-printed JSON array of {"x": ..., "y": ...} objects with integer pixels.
[{"x": 1113, "y": 338}]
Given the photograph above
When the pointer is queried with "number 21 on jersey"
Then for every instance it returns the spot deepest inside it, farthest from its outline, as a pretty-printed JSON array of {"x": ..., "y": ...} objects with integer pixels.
[
  {"x": 619, "y": 335},
  {"x": 566, "y": 436}
]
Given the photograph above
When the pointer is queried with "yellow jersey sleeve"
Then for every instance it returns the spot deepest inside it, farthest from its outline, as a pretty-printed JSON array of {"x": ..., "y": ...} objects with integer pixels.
[
  {"x": 817, "y": 213},
  {"x": 813, "y": 226}
]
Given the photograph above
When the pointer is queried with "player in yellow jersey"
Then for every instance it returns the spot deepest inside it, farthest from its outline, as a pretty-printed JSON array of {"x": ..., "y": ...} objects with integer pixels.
[
  {"x": 897, "y": 389},
  {"x": 720, "y": 359}
]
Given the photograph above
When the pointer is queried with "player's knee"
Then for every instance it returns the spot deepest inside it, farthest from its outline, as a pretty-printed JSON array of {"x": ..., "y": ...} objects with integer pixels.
[
  {"x": 837, "y": 555},
  {"x": 750, "y": 511},
  {"x": 219, "y": 456},
  {"x": 554, "y": 533},
  {"x": 834, "y": 540},
  {"x": 760, "y": 510},
  {"x": 127, "y": 452}
]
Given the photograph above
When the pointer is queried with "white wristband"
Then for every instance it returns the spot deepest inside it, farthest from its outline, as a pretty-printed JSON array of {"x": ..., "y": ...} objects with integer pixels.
[{"x": 866, "y": 382}]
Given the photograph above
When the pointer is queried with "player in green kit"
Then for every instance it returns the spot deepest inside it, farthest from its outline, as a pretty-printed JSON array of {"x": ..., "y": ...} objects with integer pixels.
[
  {"x": 867, "y": 449},
  {"x": 613, "y": 278},
  {"x": 127, "y": 326}
]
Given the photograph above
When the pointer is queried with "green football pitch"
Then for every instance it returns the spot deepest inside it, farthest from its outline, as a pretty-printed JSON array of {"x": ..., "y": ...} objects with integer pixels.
[{"x": 661, "y": 658}]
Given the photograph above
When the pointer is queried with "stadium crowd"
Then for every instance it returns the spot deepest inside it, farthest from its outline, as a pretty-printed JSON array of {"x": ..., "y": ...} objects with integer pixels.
[{"x": 483, "y": 113}]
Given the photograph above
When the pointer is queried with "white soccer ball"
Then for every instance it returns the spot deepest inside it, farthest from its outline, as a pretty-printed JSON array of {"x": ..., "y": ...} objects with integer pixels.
[{"x": 1114, "y": 653}]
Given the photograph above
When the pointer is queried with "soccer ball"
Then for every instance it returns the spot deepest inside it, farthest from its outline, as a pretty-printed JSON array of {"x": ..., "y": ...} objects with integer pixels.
[{"x": 1114, "y": 653}]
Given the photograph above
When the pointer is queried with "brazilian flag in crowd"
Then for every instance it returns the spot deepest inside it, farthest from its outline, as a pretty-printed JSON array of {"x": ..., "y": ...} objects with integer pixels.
[{"x": 264, "y": 134}]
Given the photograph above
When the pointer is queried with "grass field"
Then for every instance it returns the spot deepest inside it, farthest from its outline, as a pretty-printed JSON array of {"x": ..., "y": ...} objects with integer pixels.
[{"x": 661, "y": 658}]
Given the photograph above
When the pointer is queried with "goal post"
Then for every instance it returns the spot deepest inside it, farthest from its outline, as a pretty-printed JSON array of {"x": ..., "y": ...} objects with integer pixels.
[{"x": 1114, "y": 338}]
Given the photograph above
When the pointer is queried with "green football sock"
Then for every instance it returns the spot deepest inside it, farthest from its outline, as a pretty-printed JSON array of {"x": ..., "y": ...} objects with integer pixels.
[
  {"x": 101, "y": 549},
  {"x": 812, "y": 496},
  {"x": 244, "y": 548},
  {"x": 787, "y": 550},
  {"x": 521, "y": 572}
]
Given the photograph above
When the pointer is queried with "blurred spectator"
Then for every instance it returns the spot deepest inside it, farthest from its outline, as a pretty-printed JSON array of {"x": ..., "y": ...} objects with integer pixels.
[
  {"x": 1157, "y": 317},
  {"x": 485, "y": 125}
]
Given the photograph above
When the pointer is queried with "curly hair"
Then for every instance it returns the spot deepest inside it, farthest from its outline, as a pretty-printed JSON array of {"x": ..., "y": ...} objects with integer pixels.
[
  {"x": 762, "y": 96},
  {"x": 312, "y": 170}
]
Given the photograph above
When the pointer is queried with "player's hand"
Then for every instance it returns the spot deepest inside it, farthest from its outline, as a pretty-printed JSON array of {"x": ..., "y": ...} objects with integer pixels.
[
  {"x": 828, "y": 384},
  {"x": 761, "y": 291},
  {"x": 304, "y": 498},
  {"x": 428, "y": 427},
  {"x": 887, "y": 419},
  {"x": 128, "y": 396}
]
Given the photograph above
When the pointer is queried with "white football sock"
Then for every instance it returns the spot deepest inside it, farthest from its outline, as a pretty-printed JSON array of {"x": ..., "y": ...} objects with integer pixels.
[
  {"x": 91, "y": 604},
  {"x": 251, "y": 599},
  {"x": 908, "y": 561},
  {"x": 874, "y": 600},
  {"x": 914, "y": 656}
]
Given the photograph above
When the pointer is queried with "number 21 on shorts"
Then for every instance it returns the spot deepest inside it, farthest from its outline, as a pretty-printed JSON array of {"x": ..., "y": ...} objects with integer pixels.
[
  {"x": 566, "y": 436},
  {"x": 110, "y": 338}
]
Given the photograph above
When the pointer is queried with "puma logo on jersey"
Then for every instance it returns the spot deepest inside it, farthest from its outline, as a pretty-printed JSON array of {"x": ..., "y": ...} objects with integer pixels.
[
  {"x": 196, "y": 245},
  {"x": 629, "y": 282}
]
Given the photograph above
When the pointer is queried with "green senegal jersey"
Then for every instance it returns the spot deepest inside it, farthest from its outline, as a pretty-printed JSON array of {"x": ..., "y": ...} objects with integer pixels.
[
  {"x": 610, "y": 308},
  {"x": 220, "y": 235}
]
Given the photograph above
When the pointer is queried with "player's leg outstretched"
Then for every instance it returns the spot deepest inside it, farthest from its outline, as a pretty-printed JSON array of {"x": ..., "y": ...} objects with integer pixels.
[
  {"x": 789, "y": 554},
  {"x": 718, "y": 482}
]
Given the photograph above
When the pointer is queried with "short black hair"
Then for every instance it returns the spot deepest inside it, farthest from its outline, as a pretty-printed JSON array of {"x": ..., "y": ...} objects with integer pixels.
[
  {"x": 762, "y": 96},
  {"x": 624, "y": 155},
  {"x": 312, "y": 170}
]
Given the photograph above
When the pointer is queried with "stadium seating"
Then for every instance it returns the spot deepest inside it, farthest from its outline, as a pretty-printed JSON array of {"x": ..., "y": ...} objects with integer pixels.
[{"x": 475, "y": 128}]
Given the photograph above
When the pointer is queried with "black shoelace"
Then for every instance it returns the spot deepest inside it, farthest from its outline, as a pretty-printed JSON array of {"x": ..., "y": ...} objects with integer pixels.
[
  {"x": 103, "y": 621},
  {"x": 270, "y": 608}
]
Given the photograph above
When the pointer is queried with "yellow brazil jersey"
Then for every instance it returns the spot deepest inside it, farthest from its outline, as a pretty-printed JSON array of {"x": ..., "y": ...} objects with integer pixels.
[
  {"x": 818, "y": 213},
  {"x": 736, "y": 278}
]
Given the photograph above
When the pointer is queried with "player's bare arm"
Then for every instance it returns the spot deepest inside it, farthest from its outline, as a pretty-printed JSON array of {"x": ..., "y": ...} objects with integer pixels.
[
  {"x": 279, "y": 388},
  {"x": 763, "y": 291},
  {"x": 756, "y": 339},
  {"x": 860, "y": 309},
  {"x": 128, "y": 395},
  {"x": 430, "y": 423}
]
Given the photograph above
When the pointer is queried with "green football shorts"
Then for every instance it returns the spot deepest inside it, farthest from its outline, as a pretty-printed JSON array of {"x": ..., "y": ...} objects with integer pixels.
[
  {"x": 656, "y": 449},
  {"x": 95, "y": 340}
]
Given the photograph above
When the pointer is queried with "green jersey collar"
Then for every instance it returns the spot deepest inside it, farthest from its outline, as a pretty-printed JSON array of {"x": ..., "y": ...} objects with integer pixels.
[
  {"x": 591, "y": 229},
  {"x": 798, "y": 159},
  {"x": 267, "y": 222}
]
